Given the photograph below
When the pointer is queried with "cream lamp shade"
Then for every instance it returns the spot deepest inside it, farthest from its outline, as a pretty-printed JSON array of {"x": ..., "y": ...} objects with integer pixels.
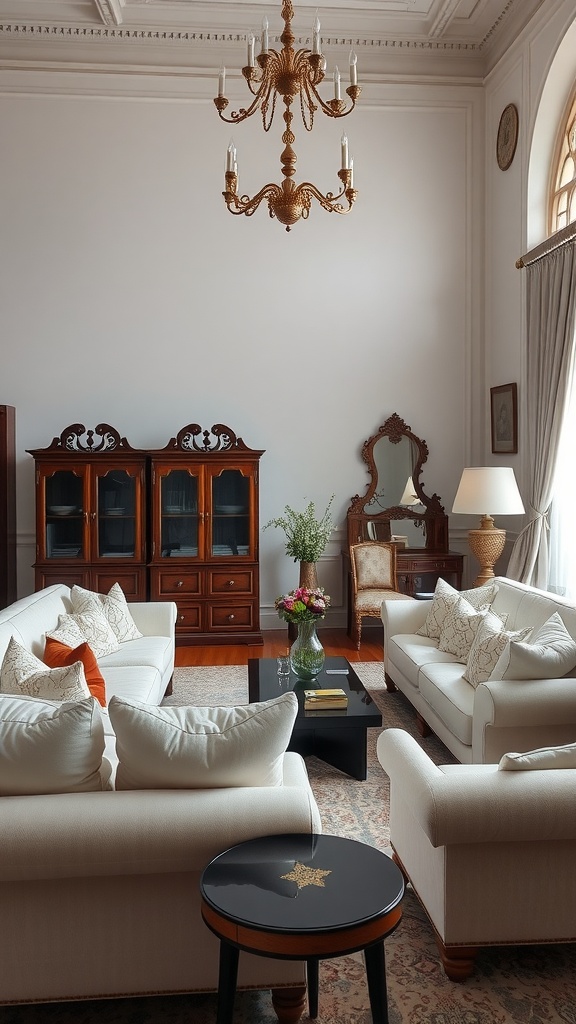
[
  {"x": 487, "y": 491},
  {"x": 408, "y": 496}
]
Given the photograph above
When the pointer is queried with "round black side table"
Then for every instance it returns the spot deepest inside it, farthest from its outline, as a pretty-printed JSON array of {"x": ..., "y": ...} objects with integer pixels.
[{"x": 302, "y": 897}]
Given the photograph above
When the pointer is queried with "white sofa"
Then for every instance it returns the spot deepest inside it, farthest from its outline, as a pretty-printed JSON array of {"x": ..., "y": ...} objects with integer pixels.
[
  {"x": 479, "y": 724},
  {"x": 99, "y": 891},
  {"x": 489, "y": 853}
]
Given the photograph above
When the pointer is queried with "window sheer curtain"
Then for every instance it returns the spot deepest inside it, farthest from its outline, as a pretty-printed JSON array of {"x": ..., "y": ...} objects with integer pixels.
[
  {"x": 551, "y": 314},
  {"x": 562, "y": 537}
]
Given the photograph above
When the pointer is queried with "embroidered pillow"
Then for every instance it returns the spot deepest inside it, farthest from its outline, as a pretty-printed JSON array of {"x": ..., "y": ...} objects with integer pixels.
[
  {"x": 459, "y": 628},
  {"x": 114, "y": 606},
  {"x": 23, "y": 673},
  {"x": 445, "y": 597},
  {"x": 57, "y": 654},
  {"x": 91, "y": 627},
  {"x": 543, "y": 757},
  {"x": 201, "y": 747},
  {"x": 549, "y": 654},
  {"x": 487, "y": 646}
]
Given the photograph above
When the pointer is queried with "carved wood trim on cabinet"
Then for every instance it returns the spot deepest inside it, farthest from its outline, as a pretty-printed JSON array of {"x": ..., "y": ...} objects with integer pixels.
[{"x": 8, "y": 586}]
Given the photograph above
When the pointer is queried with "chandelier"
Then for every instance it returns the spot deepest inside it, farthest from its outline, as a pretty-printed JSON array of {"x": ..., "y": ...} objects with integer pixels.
[{"x": 289, "y": 73}]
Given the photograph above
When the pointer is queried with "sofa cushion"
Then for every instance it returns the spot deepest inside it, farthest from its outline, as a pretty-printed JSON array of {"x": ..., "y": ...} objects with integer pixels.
[
  {"x": 114, "y": 606},
  {"x": 92, "y": 627},
  {"x": 51, "y": 747},
  {"x": 542, "y": 758},
  {"x": 201, "y": 748},
  {"x": 57, "y": 654},
  {"x": 487, "y": 646},
  {"x": 450, "y": 696},
  {"x": 445, "y": 597},
  {"x": 549, "y": 654},
  {"x": 23, "y": 673},
  {"x": 458, "y": 629}
]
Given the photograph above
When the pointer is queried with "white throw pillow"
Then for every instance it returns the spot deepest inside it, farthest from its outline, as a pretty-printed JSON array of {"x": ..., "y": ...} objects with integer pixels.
[
  {"x": 549, "y": 654},
  {"x": 543, "y": 757},
  {"x": 201, "y": 748},
  {"x": 50, "y": 747},
  {"x": 114, "y": 606},
  {"x": 92, "y": 627},
  {"x": 459, "y": 628},
  {"x": 23, "y": 673},
  {"x": 445, "y": 598},
  {"x": 487, "y": 646}
]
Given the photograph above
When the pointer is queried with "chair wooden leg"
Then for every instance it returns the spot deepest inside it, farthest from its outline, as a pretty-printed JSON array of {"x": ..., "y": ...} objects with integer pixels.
[
  {"x": 457, "y": 961},
  {"x": 390, "y": 684},
  {"x": 358, "y": 631},
  {"x": 422, "y": 725}
]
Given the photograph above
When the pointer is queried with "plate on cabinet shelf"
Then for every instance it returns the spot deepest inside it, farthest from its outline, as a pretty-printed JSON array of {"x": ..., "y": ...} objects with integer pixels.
[
  {"x": 114, "y": 511},
  {"x": 61, "y": 510},
  {"x": 231, "y": 509}
]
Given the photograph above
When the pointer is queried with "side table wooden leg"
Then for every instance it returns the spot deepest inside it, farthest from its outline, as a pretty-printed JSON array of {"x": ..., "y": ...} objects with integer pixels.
[
  {"x": 312, "y": 979},
  {"x": 227, "y": 977},
  {"x": 376, "y": 977}
]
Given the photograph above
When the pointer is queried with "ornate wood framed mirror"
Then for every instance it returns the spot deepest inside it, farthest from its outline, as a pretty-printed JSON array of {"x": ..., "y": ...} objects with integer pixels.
[{"x": 395, "y": 505}]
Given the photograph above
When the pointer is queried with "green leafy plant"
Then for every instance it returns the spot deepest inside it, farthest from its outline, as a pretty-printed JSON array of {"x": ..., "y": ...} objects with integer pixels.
[{"x": 306, "y": 536}]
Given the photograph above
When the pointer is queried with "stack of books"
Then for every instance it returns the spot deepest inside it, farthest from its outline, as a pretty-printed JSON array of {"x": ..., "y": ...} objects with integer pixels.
[{"x": 315, "y": 700}]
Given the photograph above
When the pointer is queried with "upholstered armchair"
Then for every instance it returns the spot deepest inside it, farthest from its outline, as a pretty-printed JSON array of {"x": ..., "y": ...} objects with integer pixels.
[
  {"x": 373, "y": 566},
  {"x": 490, "y": 853}
]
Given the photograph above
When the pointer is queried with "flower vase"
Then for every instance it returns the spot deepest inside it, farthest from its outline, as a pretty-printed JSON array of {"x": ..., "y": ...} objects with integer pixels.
[{"x": 307, "y": 653}]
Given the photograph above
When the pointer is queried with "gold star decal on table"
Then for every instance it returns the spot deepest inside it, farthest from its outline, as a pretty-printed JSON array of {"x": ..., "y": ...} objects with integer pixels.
[{"x": 303, "y": 875}]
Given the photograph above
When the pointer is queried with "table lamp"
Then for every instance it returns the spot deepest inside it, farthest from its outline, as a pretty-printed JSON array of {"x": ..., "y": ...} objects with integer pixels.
[
  {"x": 409, "y": 497},
  {"x": 487, "y": 491}
]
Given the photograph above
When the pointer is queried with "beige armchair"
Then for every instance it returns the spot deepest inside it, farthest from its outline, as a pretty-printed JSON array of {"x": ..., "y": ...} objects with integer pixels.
[
  {"x": 489, "y": 853},
  {"x": 373, "y": 565}
]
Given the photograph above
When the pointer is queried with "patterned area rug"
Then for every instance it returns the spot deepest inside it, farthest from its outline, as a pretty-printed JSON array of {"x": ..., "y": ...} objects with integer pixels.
[{"x": 510, "y": 985}]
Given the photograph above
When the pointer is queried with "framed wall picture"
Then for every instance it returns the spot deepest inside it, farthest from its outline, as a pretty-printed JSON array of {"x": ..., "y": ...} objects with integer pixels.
[{"x": 504, "y": 419}]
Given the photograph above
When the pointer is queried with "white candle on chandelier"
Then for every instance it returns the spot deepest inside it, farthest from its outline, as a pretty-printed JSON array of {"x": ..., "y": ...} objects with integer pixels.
[
  {"x": 353, "y": 60},
  {"x": 316, "y": 35},
  {"x": 250, "y": 51},
  {"x": 231, "y": 164},
  {"x": 221, "y": 81},
  {"x": 344, "y": 149},
  {"x": 351, "y": 173},
  {"x": 264, "y": 35},
  {"x": 336, "y": 84}
]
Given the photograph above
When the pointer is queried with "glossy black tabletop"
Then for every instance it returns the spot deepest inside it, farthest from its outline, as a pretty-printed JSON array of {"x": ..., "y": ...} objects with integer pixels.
[
  {"x": 264, "y": 683},
  {"x": 302, "y": 883}
]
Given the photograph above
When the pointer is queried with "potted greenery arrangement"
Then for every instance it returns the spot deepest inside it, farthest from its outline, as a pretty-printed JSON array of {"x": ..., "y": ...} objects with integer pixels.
[{"x": 306, "y": 538}]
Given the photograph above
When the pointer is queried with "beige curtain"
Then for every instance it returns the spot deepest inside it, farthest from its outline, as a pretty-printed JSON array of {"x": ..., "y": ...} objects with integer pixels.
[{"x": 551, "y": 316}]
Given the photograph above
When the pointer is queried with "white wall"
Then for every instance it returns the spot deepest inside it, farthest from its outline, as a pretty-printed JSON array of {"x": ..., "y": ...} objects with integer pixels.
[{"x": 129, "y": 294}]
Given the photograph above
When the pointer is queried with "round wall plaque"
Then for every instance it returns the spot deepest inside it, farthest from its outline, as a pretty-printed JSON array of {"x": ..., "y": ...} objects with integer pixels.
[{"x": 507, "y": 137}]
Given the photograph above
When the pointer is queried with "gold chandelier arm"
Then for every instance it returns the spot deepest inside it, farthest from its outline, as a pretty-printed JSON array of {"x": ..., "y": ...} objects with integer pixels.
[
  {"x": 331, "y": 202},
  {"x": 244, "y": 204},
  {"x": 335, "y": 108}
]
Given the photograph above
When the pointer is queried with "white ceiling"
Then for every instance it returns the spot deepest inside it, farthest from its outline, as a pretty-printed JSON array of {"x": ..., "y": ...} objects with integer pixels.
[{"x": 457, "y": 37}]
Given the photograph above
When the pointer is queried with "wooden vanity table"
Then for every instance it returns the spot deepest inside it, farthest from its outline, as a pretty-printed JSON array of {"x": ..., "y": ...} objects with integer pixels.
[{"x": 396, "y": 508}]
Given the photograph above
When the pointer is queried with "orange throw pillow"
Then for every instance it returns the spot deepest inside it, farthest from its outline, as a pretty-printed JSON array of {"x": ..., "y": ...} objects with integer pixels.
[{"x": 57, "y": 654}]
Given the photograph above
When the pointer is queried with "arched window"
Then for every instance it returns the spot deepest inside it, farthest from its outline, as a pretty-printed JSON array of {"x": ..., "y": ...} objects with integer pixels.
[{"x": 563, "y": 177}]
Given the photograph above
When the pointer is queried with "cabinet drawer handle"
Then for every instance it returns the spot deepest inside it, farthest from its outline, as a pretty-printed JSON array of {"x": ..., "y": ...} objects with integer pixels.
[
  {"x": 181, "y": 618},
  {"x": 230, "y": 583},
  {"x": 231, "y": 617},
  {"x": 180, "y": 583}
]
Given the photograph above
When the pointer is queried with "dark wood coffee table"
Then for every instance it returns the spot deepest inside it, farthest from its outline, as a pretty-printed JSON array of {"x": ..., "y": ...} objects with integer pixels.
[
  {"x": 302, "y": 897},
  {"x": 338, "y": 735}
]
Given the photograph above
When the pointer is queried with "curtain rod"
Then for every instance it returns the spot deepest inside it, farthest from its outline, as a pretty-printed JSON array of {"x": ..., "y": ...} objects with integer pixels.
[{"x": 556, "y": 241}]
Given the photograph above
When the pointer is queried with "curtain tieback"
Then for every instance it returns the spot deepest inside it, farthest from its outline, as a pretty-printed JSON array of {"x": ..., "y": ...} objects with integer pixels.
[{"x": 535, "y": 514}]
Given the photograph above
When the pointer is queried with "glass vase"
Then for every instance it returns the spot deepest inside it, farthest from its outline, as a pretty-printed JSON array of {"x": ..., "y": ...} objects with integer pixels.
[{"x": 307, "y": 653}]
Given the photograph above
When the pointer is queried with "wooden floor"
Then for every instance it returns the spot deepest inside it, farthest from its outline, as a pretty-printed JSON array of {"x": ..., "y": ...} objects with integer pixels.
[{"x": 336, "y": 642}]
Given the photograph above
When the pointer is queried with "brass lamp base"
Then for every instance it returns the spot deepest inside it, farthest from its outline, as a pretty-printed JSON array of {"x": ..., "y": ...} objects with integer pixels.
[{"x": 486, "y": 544}]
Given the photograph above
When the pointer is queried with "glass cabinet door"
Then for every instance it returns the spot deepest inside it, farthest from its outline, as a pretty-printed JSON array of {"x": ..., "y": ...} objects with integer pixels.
[
  {"x": 117, "y": 514},
  {"x": 230, "y": 520},
  {"x": 64, "y": 514},
  {"x": 179, "y": 514}
]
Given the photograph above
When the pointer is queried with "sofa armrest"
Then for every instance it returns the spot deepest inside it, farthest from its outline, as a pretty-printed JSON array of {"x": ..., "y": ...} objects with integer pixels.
[
  {"x": 477, "y": 803},
  {"x": 403, "y": 616},
  {"x": 73, "y": 835},
  {"x": 539, "y": 708},
  {"x": 154, "y": 618}
]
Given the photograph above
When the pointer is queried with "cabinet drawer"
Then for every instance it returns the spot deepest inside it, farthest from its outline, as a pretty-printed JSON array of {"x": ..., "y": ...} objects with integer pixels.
[
  {"x": 132, "y": 581},
  {"x": 427, "y": 565},
  {"x": 230, "y": 616},
  {"x": 174, "y": 582},
  {"x": 188, "y": 616},
  {"x": 228, "y": 581}
]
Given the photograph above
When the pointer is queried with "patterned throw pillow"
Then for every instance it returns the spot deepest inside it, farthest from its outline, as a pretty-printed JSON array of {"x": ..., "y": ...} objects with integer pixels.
[
  {"x": 459, "y": 628},
  {"x": 445, "y": 597},
  {"x": 487, "y": 646},
  {"x": 114, "y": 606},
  {"x": 93, "y": 628},
  {"x": 23, "y": 673}
]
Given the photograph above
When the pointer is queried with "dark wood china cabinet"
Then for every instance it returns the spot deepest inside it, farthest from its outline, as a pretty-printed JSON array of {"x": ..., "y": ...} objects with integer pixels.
[
  {"x": 178, "y": 523},
  {"x": 396, "y": 508}
]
